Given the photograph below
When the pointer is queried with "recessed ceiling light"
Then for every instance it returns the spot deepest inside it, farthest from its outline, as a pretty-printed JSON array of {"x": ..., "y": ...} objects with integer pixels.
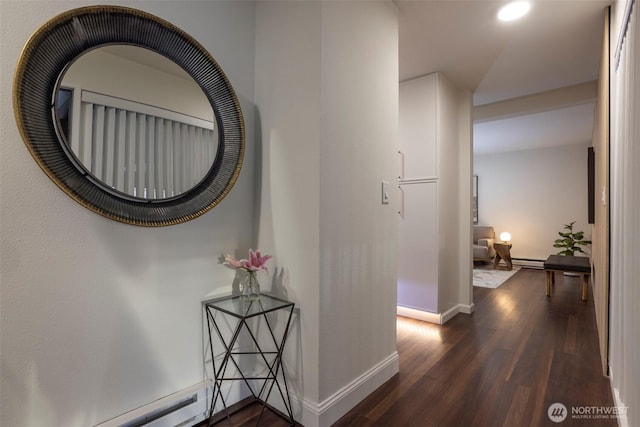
[{"x": 513, "y": 10}]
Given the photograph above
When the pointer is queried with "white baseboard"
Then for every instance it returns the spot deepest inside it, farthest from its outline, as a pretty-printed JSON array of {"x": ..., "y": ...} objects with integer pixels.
[
  {"x": 331, "y": 409},
  {"x": 437, "y": 318},
  {"x": 427, "y": 316},
  {"x": 466, "y": 309},
  {"x": 460, "y": 308},
  {"x": 623, "y": 421}
]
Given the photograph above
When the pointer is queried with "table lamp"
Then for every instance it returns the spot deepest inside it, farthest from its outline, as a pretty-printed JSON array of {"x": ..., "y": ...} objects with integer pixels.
[{"x": 505, "y": 236}]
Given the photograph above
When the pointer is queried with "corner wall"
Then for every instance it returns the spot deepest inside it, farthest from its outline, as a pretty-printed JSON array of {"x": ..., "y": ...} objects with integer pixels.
[
  {"x": 288, "y": 102},
  {"x": 358, "y": 234},
  {"x": 464, "y": 295},
  {"x": 454, "y": 200},
  {"x": 327, "y": 97},
  {"x": 100, "y": 317}
]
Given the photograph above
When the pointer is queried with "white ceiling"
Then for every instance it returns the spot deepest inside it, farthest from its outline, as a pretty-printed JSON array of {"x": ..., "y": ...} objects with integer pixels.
[
  {"x": 147, "y": 57},
  {"x": 565, "y": 126},
  {"x": 556, "y": 45}
]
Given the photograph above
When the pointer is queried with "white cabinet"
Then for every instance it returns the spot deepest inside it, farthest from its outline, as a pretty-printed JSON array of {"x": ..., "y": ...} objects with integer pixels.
[
  {"x": 417, "y": 251},
  {"x": 431, "y": 178},
  {"x": 418, "y": 130}
]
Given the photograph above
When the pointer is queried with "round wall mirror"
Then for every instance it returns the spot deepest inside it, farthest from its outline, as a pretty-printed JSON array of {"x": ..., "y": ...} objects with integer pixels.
[
  {"x": 136, "y": 121},
  {"x": 129, "y": 115}
]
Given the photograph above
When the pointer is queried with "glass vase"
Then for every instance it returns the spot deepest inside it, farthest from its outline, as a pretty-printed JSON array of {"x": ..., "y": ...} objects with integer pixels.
[{"x": 250, "y": 287}]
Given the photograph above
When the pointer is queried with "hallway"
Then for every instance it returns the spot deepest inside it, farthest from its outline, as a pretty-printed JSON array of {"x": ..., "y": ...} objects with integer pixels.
[
  {"x": 519, "y": 353},
  {"x": 502, "y": 366}
]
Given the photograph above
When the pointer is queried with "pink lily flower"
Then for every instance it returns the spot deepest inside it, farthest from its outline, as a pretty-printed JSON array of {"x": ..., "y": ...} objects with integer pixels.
[
  {"x": 232, "y": 262},
  {"x": 256, "y": 262}
]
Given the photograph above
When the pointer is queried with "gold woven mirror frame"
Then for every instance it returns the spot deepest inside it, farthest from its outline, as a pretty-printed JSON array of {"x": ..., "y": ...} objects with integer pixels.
[{"x": 51, "y": 50}]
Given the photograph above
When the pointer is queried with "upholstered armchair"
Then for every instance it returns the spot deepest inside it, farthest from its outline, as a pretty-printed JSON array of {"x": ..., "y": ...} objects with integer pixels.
[{"x": 483, "y": 239}]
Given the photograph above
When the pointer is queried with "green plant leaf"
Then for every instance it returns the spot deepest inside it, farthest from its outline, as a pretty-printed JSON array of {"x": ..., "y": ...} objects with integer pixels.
[{"x": 570, "y": 241}]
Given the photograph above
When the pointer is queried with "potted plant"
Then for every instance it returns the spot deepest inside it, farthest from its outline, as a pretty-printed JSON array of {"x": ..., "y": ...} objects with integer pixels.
[{"x": 570, "y": 241}]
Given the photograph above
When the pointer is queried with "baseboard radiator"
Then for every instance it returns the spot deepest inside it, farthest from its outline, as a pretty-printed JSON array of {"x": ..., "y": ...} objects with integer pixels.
[
  {"x": 182, "y": 409},
  {"x": 528, "y": 263}
]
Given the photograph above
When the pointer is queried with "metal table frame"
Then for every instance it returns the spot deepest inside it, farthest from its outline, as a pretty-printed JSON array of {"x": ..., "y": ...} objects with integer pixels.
[{"x": 243, "y": 311}]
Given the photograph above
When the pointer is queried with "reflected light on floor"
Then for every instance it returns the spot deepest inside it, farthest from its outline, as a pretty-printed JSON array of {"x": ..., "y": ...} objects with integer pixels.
[
  {"x": 505, "y": 304},
  {"x": 418, "y": 328}
]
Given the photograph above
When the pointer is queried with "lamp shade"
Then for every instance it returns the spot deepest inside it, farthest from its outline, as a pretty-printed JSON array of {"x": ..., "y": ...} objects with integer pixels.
[
  {"x": 514, "y": 10},
  {"x": 505, "y": 236}
]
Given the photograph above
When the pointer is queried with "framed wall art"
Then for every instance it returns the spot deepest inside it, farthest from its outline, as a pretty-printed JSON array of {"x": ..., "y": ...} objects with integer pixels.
[{"x": 475, "y": 199}]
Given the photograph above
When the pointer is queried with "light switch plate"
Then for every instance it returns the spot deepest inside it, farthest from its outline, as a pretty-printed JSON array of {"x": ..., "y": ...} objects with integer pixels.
[{"x": 385, "y": 193}]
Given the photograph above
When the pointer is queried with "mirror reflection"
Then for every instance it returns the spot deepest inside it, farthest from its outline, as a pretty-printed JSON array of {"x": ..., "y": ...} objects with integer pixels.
[{"x": 136, "y": 121}]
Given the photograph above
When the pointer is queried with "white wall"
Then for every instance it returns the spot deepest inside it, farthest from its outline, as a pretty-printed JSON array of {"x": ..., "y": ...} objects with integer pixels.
[
  {"x": 465, "y": 170},
  {"x": 454, "y": 209},
  {"x": 326, "y": 89},
  {"x": 531, "y": 194},
  {"x": 358, "y": 234},
  {"x": 287, "y": 92},
  {"x": 100, "y": 317},
  {"x": 624, "y": 341},
  {"x": 113, "y": 75}
]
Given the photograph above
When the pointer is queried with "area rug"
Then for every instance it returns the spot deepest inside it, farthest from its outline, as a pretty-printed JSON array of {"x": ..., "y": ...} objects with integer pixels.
[{"x": 491, "y": 278}]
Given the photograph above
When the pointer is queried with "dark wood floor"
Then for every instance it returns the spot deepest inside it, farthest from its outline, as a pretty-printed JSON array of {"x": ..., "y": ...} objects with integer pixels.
[{"x": 504, "y": 365}]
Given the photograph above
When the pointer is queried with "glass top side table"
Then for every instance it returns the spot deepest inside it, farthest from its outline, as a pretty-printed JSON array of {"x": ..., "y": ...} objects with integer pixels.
[{"x": 246, "y": 320}]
